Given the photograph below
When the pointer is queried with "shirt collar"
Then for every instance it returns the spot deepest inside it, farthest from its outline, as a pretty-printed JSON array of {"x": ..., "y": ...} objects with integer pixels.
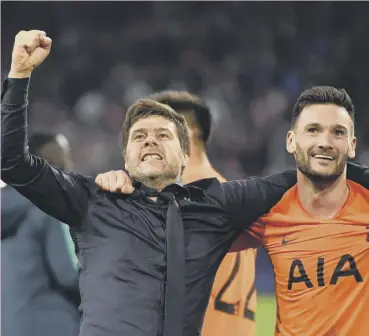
[
  {"x": 178, "y": 189},
  {"x": 193, "y": 189}
]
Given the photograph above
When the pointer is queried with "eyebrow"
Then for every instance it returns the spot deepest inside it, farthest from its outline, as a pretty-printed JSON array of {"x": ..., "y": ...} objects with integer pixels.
[
  {"x": 161, "y": 129},
  {"x": 140, "y": 130},
  {"x": 144, "y": 130},
  {"x": 340, "y": 127},
  {"x": 317, "y": 125}
]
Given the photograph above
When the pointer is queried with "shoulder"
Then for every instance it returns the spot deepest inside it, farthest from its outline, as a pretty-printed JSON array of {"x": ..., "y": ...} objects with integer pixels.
[
  {"x": 359, "y": 198},
  {"x": 358, "y": 189},
  {"x": 287, "y": 206}
]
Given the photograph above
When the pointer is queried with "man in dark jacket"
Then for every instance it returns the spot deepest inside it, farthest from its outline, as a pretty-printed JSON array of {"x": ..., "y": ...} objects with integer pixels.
[{"x": 39, "y": 284}]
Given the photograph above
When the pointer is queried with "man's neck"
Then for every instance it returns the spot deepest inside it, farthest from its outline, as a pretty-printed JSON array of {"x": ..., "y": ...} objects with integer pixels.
[
  {"x": 158, "y": 183},
  {"x": 322, "y": 200},
  {"x": 199, "y": 167}
]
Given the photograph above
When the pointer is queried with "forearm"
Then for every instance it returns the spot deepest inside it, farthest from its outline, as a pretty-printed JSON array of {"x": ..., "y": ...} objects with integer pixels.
[
  {"x": 61, "y": 195},
  {"x": 248, "y": 199},
  {"x": 17, "y": 166},
  {"x": 272, "y": 188}
]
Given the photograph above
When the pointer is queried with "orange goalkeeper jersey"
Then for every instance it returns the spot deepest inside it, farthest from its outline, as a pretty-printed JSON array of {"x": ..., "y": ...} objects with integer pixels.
[
  {"x": 232, "y": 303},
  {"x": 321, "y": 266}
]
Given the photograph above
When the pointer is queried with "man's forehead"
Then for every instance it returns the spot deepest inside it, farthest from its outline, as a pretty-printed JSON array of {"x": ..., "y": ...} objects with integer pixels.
[
  {"x": 324, "y": 114},
  {"x": 152, "y": 122}
]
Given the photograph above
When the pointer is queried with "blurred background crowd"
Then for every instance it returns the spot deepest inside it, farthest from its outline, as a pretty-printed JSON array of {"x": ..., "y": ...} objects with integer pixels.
[{"x": 248, "y": 60}]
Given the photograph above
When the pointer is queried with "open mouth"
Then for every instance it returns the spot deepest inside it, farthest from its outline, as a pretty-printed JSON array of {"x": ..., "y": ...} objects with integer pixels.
[
  {"x": 151, "y": 156},
  {"x": 323, "y": 157}
]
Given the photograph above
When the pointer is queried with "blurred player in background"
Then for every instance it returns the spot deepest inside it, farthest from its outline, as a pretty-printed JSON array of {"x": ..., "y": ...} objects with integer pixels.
[
  {"x": 317, "y": 236},
  {"x": 39, "y": 281},
  {"x": 232, "y": 303}
]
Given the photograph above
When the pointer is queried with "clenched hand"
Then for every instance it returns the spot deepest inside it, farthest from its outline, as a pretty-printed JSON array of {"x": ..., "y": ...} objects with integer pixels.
[{"x": 30, "y": 49}]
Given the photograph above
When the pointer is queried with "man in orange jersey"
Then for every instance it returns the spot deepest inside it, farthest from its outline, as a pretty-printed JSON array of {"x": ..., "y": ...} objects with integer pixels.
[
  {"x": 317, "y": 236},
  {"x": 232, "y": 302}
]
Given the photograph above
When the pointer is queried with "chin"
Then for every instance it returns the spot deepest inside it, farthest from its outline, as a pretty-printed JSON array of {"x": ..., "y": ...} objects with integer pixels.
[
  {"x": 327, "y": 175},
  {"x": 322, "y": 176},
  {"x": 151, "y": 173},
  {"x": 324, "y": 171}
]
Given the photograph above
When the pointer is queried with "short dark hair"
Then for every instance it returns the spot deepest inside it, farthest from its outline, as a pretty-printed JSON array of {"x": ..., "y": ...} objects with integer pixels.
[
  {"x": 144, "y": 108},
  {"x": 186, "y": 101},
  {"x": 38, "y": 140},
  {"x": 323, "y": 95}
]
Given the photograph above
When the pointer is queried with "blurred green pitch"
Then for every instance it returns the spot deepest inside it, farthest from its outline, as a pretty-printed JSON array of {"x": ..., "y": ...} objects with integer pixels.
[{"x": 266, "y": 315}]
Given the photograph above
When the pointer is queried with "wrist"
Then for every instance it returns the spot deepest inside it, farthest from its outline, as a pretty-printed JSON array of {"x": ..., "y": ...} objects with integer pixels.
[
  {"x": 18, "y": 74},
  {"x": 15, "y": 91}
]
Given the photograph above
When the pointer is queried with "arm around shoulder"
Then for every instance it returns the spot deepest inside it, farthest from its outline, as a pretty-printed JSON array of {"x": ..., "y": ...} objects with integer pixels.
[
  {"x": 358, "y": 173},
  {"x": 248, "y": 199}
]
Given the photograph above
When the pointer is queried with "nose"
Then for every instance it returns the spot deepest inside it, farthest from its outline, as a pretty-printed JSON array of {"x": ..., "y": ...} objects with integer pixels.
[
  {"x": 150, "y": 141},
  {"x": 325, "y": 148},
  {"x": 324, "y": 142}
]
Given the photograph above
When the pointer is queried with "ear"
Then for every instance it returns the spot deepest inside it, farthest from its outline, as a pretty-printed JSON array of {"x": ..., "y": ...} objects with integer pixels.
[
  {"x": 352, "y": 148},
  {"x": 291, "y": 142}
]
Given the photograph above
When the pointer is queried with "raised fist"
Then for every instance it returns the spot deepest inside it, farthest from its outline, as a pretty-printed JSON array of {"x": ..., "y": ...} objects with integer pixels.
[{"x": 29, "y": 51}]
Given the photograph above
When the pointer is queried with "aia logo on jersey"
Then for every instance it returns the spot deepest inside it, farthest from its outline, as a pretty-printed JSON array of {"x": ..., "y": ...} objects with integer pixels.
[{"x": 346, "y": 267}]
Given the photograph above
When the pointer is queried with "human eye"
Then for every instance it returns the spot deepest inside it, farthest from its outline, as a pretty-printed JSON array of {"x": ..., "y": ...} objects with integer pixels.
[
  {"x": 313, "y": 130},
  {"x": 138, "y": 137},
  {"x": 339, "y": 132}
]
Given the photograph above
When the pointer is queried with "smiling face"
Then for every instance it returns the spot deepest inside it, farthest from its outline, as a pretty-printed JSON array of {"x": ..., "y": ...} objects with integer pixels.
[
  {"x": 321, "y": 141},
  {"x": 154, "y": 151}
]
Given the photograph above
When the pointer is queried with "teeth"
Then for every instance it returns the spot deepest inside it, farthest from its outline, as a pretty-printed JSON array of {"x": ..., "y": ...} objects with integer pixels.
[
  {"x": 324, "y": 157},
  {"x": 151, "y": 156}
]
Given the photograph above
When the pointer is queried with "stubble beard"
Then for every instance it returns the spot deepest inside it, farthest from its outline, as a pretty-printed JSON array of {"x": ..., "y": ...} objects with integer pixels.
[
  {"x": 157, "y": 179},
  {"x": 304, "y": 166}
]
